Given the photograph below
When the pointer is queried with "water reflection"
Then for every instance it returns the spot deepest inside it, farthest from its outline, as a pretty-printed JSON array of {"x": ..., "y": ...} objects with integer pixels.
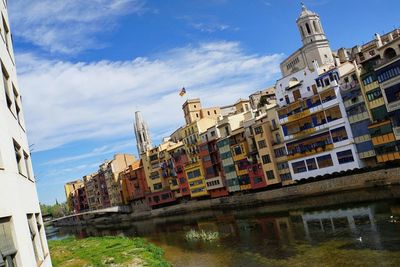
[{"x": 252, "y": 237}]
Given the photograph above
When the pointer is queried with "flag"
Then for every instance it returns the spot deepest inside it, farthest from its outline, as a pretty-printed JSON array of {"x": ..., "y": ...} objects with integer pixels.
[{"x": 182, "y": 92}]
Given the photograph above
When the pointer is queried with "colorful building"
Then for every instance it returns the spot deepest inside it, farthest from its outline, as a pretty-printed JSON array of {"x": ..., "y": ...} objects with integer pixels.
[
  {"x": 194, "y": 168},
  {"x": 157, "y": 175},
  {"x": 133, "y": 182},
  {"x": 312, "y": 115},
  {"x": 210, "y": 158},
  {"x": 70, "y": 190}
]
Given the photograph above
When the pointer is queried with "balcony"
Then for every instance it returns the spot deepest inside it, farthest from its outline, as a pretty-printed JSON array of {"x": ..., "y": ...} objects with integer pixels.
[
  {"x": 348, "y": 86},
  {"x": 359, "y": 117},
  {"x": 393, "y": 106},
  {"x": 367, "y": 154},
  {"x": 396, "y": 131},
  {"x": 310, "y": 152},
  {"x": 383, "y": 139},
  {"x": 353, "y": 101},
  {"x": 332, "y": 84}
]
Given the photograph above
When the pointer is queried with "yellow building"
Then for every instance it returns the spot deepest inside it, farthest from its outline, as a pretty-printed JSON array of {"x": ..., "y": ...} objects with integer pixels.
[
  {"x": 265, "y": 144},
  {"x": 194, "y": 169},
  {"x": 69, "y": 192},
  {"x": 193, "y": 111}
]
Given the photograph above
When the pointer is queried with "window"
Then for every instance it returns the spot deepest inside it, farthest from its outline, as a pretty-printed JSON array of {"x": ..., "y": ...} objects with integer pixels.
[
  {"x": 237, "y": 150},
  {"x": 154, "y": 175},
  {"x": 266, "y": 159},
  {"x": 6, "y": 34},
  {"x": 6, "y": 85},
  {"x": 212, "y": 133},
  {"x": 182, "y": 180},
  {"x": 339, "y": 134},
  {"x": 27, "y": 166},
  {"x": 17, "y": 104},
  {"x": 262, "y": 144},
  {"x": 280, "y": 152},
  {"x": 299, "y": 167},
  {"x": 258, "y": 130},
  {"x": 258, "y": 180},
  {"x": 194, "y": 174},
  {"x": 270, "y": 175},
  {"x": 324, "y": 161},
  {"x": 37, "y": 248},
  {"x": 273, "y": 123},
  {"x": 7, "y": 245},
  {"x": 242, "y": 164},
  {"x": 157, "y": 186},
  {"x": 311, "y": 164},
  {"x": 18, "y": 157},
  {"x": 207, "y": 158},
  {"x": 278, "y": 138},
  {"x": 374, "y": 94},
  {"x": 282, "y": 165},
  {"x": 41, "y": 233},
  {"x": 229, "y": 168},
  {"x": 345, "y": 156}
]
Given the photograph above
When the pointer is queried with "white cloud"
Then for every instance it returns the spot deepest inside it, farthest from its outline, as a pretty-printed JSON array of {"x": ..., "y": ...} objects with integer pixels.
[
  {"x": 103, "y": 150},
  {"x": 66, "y": 102},
  {"x": 68, "y": 26}
]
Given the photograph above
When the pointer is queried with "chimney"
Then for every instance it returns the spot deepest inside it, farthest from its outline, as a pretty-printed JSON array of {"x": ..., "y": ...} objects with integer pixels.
[{"x": 378, "y": 40}]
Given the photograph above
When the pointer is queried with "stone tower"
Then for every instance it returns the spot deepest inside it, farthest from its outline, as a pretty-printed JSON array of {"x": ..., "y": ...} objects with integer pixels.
[
  {"x": 142, "y": 134},
  {"x": 315, "y": 44}
]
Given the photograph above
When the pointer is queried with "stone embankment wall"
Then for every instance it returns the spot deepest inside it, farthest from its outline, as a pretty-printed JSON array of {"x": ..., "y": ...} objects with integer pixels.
[{"x": 278, "y": 199}]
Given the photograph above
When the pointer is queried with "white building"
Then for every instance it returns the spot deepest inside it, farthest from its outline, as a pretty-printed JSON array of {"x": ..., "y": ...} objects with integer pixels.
[
  {"x": 311, "y": 112},
  {"x": 22, "y": 237}
]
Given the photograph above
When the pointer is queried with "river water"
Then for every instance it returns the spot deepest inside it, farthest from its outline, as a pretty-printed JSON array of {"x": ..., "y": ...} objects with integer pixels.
[{"x": 363, "y": 234}]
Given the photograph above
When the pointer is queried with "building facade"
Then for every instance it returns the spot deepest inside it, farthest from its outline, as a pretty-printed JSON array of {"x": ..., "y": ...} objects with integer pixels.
[
  {"x": 316, "y": 129},
  {"x": 22, "y": 237}
]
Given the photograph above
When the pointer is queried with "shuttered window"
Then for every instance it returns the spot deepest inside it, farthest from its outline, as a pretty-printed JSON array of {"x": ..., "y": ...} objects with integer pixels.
[{"x": 7, "y": 246}]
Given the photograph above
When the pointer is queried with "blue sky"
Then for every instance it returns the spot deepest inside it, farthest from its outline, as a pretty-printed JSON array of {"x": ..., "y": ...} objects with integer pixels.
[{"x": 86, "y": 66}]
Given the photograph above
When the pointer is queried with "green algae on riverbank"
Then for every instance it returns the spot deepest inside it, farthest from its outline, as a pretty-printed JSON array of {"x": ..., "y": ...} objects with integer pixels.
[
  {"x": 330, "y": 254},
  {"x": 105, "y": 251}
]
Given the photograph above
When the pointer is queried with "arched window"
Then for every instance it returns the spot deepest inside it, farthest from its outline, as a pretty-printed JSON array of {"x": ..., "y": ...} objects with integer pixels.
[
  {"x": 308, "y": 28},
  {"x": 302, "y": 31},
  {"x": 316, "y": 28},
  {"x": 389, "y": 53}
]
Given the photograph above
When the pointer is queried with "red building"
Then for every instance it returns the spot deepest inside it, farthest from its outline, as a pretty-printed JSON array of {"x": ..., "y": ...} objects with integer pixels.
[
  {"x": 180, "y": 159},
  {"x": 160, "y": 198},
  {"x": 102, "y": 190},
  {"x": 133, "y": 182},
  {"x": 257, "y": 176},
  {"x": 80, "y": 200}
]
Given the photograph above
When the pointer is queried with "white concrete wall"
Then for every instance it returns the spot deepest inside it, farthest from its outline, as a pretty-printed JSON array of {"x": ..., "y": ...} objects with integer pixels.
[{"x": 18, "y": 196}]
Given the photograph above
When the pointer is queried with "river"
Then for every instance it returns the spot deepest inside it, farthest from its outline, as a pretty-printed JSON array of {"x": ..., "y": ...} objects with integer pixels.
[{"x": 362, "y": 234}]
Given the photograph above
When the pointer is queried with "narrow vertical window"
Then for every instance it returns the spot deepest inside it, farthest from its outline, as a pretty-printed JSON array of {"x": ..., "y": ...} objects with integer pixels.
[
  {"x": 7, "y": 246},
  {"x": 37, "y": 248},
  {"x": 6, "y": 86},
  {"x": 308, "y": 28},
  {"x": 18, "y": 157},
  {"x": 41, "y": 233}
]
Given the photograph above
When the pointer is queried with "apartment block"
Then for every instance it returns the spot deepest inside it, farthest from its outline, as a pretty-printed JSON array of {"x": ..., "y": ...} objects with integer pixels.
[
  {"x": 134, "y": 185},
  {"x": 70, "y": 192},
  {"x": 158, "y": 174},
  {"x": 110, "y": 171},
  {"x": 210, "y": 158},
  {"x": 22, "y": 237}
]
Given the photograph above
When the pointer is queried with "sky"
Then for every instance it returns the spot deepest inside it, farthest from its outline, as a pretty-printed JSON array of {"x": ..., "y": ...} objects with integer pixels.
[{"x": 85, "y": 67}]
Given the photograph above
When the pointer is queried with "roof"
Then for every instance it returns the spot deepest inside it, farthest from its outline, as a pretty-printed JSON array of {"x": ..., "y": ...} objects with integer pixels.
[{"x": 305, "y": 11}]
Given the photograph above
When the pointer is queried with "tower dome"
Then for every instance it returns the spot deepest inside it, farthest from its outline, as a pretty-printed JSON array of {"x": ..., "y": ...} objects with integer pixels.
[{"x": 310, "y": 27}]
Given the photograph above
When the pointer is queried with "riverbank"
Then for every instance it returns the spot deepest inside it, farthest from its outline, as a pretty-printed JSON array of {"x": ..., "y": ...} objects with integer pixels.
[
  {"x": 388, "y": 180},
  {"x": 105, "y": 251}
]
